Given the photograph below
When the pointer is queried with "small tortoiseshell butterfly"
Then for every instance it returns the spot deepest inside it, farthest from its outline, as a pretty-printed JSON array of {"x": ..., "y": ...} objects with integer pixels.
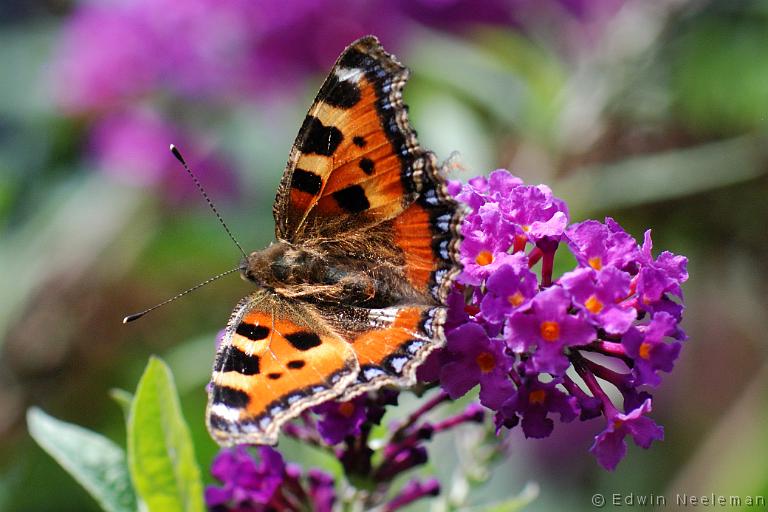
[{"x": 352, "y": 295}]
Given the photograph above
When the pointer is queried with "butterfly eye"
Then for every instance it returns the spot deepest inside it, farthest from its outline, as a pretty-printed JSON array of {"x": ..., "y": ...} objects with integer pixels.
[{"x": 280, "y": 269}]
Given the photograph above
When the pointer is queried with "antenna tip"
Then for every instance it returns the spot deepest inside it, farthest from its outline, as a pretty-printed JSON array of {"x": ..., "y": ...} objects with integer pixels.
[
  {"x": 131, "y": 318},
  {"x": 177, "y": 154}
]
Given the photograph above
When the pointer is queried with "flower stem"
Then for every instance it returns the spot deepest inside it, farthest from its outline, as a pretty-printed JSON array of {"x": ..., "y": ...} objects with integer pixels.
[{"x": 430, "y": 404}]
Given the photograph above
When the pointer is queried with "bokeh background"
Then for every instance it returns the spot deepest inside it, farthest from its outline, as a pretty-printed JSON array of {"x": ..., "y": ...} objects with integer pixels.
[{"x": 655, "y": 113}]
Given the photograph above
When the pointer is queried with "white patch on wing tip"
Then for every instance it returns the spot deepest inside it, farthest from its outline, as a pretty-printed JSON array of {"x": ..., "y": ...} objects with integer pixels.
[{"x": 345, "y": 74}]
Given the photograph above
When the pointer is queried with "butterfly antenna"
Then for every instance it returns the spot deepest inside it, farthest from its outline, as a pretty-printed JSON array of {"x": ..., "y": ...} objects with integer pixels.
[
  {"x": 136, "y": 316},
  {"x": 199, "y": 186}
]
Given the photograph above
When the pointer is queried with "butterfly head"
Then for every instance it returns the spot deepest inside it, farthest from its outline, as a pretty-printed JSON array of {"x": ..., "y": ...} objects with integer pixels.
[
  {"x": 279, "y": 265},
  {"x": 257, "y": 267}
]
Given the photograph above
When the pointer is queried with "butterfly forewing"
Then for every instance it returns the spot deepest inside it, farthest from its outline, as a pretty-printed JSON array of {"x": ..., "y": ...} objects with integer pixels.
[{"x": 356, "y": 161}]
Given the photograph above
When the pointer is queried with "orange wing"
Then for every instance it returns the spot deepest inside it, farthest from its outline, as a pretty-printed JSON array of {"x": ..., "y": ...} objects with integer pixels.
[
  {"x": 391, "y": 344},
  {"x": 356, "y": 160},
  {"x": 277, "y": 358},
  {"x": 427, "y": 233}
]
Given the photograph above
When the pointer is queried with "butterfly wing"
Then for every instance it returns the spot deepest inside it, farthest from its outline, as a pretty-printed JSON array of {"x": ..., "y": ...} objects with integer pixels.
[
  {"x": 356, "y": 170},
  {"x": 356, "y": 160},
  {"x": 276, "y": 359},
  {"x": 427, "y": 235},
  {"x": 389, "y": 343}
]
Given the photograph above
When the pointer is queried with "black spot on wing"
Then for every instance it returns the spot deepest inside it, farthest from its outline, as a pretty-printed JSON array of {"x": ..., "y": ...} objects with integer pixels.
[
  {"x": 318, "y": 138},
  {"x": 354, "y": 58},
  {"x": 230, "y": 397},
  {"x": 306, "y": 181},
  {"x": 352, "y": 199},
  {"x": 235, "y": 360},
  {"x": 218, "y": 422},
  {"x": 252, "y": 332},
  {"x": 274, "y": 376},
  {"x": 359, "y": 141},
  {"x": 339, "y": 93},
  {"x": 296, "y": 365},
  {"x": 366, "y": 164},
  {"x": 303, "y": 340}
]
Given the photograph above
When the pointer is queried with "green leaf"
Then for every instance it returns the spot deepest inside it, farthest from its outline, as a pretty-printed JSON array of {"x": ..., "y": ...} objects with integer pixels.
[
  {"x": 97, "y": 463},
  {"x": 161, "y": 457},
  {"x": 124, "y": 399}
]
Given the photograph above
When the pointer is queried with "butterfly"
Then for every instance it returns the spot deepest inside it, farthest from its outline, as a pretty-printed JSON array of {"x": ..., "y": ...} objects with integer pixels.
[{"x": 351, "y": 296}]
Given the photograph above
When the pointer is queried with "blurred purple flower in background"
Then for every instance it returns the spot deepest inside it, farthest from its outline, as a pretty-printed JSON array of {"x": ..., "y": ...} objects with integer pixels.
[
  {"x": 102, "y": 58},
  {"x": 113, "y": 54},
  {"x": 131, "y": 146},
  {"x": 169, "y": 56}
]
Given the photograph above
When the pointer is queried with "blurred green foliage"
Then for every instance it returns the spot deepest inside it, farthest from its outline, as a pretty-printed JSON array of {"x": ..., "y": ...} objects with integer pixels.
[{"x": 718, "y": 82}]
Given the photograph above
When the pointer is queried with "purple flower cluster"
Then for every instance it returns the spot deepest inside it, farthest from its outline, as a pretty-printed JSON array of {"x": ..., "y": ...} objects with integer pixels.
[
  {"x": 266, "y": 484},
  {"x": 342, "y": 429},
  {"x": 537, "y": 345}
]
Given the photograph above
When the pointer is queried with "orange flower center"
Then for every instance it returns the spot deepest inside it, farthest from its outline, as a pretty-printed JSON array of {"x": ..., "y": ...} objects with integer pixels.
[
  {"x": 484, "y": 258},
  {"x": 550, "y": 331},
  {"x": 594, "y": 305},
  {"x": 595, "y": 262},
  {"x": 645, "y": 350},
  {"x": 346, "y": 409},
  {"x": 526, "y": 228},
  {"x": 516, "y": 299},
  {"x": 537, "y": 396},
  {"x": 485, "y": 361}
]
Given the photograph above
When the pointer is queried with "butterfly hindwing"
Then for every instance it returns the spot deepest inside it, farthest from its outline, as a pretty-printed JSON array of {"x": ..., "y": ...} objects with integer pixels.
[
  {"x": 390, "y": 343},
  {"x": 275, "y": 360},
  {"x": 427, "y": 233}
]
